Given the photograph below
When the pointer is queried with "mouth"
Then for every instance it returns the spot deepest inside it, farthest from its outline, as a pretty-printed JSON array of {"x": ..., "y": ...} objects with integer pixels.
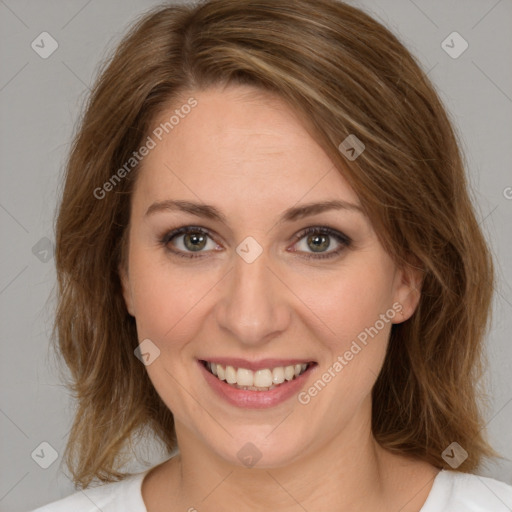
[{"x": 263, "y": 379}]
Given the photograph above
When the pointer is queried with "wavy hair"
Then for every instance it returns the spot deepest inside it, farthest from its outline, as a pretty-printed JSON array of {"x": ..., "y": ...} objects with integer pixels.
[{"x": 343, "y": 73}]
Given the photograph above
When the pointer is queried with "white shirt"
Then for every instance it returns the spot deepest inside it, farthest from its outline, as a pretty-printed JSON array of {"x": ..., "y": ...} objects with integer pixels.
[{"x": 452, "y": 491}]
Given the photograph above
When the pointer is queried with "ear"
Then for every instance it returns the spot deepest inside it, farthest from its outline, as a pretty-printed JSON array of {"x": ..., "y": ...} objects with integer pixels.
[
  {"x": 126, "y": 287},
  {"x": 407, "y": 292}
]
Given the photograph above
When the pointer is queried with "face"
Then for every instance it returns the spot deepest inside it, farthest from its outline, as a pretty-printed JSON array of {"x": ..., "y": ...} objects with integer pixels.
[{"x": 292, "y": 306}]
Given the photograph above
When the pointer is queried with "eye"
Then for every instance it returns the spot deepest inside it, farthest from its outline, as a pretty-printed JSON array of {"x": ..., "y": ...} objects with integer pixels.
[
  {"x": 188, "y": 240},
  {"x": 319, "y": 239}
]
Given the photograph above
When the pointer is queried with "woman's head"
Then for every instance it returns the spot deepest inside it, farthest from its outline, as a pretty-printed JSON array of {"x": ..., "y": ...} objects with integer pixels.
[
  {"x": 247, "y": 106},
  {"x": 256, "y": 288}
]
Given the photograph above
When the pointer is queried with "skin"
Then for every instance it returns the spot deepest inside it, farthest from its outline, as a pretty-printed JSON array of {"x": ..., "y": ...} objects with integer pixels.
[{"x": 246, "y": 153}]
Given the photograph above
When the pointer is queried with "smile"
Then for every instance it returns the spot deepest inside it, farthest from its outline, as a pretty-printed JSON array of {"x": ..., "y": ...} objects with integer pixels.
[{"x": 263, "y": 379}]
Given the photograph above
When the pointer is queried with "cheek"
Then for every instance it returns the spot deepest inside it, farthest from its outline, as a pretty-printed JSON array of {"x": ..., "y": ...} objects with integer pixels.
[
  {"x": 356, "y": 309},
  {"x": 358, "y": 314},
  {"x": 353, "y": 301},
  {"x": 168, "y": 306},
  {"x": 164, "y": 301},
  {"x": 173, "y": 304}
]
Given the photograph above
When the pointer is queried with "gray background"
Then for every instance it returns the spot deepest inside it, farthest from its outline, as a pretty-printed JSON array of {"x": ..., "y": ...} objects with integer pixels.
[{"x": 40, "y": 100}]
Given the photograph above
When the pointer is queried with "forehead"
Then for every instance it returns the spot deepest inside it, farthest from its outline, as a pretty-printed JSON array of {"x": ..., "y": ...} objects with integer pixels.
[{"x": 242, "y": 141}]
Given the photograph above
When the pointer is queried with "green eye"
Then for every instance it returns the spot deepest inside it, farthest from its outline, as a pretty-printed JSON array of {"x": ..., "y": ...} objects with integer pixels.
[
  {"x": 194, "y": 239},
  {"x": 318, "y": 239}
]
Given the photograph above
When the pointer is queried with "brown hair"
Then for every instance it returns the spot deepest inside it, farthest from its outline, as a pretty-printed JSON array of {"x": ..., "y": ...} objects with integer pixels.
[{"x": 343, "y": 73}]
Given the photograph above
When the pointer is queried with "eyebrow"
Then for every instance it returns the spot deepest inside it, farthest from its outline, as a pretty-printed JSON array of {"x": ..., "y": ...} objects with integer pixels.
[{"x": 211, "y": 212}]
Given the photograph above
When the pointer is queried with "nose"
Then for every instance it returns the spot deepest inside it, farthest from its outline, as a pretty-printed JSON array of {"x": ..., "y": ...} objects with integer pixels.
[{"x": 253, "y": 307}]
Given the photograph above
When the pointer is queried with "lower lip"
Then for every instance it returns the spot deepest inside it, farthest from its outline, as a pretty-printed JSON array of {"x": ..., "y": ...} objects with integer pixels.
[{"x": 255, "y": 399}]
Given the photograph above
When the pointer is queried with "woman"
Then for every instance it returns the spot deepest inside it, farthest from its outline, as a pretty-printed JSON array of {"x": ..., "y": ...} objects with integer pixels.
[{"x": 267, "y": 256}]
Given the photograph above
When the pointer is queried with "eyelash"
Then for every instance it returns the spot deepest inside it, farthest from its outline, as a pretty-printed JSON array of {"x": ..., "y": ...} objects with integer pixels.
[{"x": 343, "y": 239}]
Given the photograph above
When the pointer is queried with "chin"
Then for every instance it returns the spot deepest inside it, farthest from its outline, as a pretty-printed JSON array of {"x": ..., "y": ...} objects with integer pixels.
[{"x": 253, "y": 447}]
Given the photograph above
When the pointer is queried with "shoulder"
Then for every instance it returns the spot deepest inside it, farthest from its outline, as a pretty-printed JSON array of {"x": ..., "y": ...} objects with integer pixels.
[
  {"x": 464, "y": 492},
  {"x": 122, "y": 496}
]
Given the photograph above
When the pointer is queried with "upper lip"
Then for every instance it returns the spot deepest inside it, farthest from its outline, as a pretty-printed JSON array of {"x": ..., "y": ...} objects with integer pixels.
[{"x": 237, "y": 362}]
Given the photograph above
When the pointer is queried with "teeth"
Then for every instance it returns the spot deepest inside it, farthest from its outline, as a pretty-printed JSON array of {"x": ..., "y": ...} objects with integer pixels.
[
  {"x": 260, "y": 380},
  {"x": 289, "y": 372},
  {"x": 230, "y": 375},
  {"x": 244, "y": 377},
  {"x": 278, "y": 375},
  {"x": 263, "y": 379}
]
